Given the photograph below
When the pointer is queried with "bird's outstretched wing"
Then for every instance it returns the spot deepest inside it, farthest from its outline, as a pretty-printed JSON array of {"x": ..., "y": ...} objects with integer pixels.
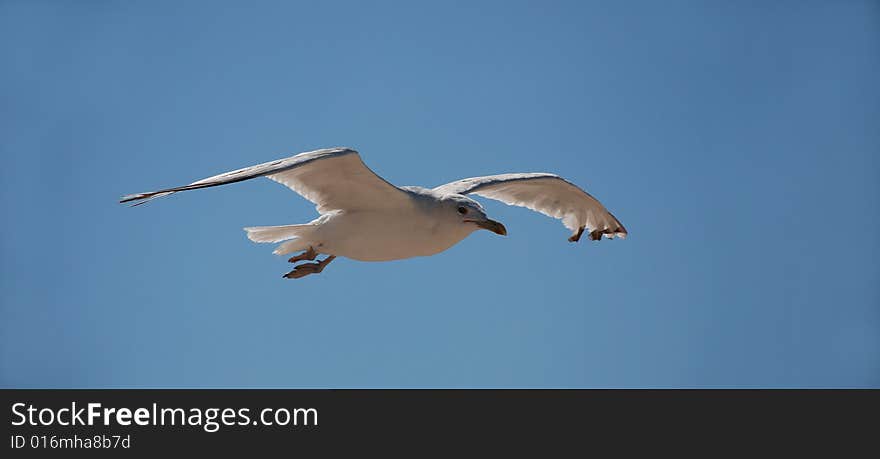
[
  {"x": 548, "y": 194},
  {"x": 333, "y": 178}
]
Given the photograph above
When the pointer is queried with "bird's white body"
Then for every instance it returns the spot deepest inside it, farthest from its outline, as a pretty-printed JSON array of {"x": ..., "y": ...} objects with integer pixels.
[
  {"x": 383, "y": 236},
  {"x": 417, "y": 228},
  {"x": 364, "y": 217}
]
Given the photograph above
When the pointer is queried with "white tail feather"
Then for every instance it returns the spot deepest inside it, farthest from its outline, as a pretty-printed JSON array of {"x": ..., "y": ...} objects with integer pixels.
[
  {"x": 294, "y": 245},
  {"x": 277, "y": 233},
  {"x": 295, "y": 235}
]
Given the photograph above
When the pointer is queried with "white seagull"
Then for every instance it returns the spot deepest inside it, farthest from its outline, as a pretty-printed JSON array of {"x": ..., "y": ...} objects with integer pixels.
[{"x": 364, "y": 217}]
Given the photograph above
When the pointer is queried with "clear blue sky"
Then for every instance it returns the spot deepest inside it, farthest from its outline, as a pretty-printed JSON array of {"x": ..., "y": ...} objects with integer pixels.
[{"x": 737, "y": 141}]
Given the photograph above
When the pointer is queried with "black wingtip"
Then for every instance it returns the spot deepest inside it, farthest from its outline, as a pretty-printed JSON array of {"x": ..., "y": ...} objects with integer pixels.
[
  {"x": 596, "y": 235},
  {"x": 133, "y": 197},
  {"x": 143, "y": 198},
  {"x": 577, "y": 236}
]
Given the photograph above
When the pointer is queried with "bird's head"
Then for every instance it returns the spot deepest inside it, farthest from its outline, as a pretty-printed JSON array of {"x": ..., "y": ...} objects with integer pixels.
[{"x": 470, "y": 212}]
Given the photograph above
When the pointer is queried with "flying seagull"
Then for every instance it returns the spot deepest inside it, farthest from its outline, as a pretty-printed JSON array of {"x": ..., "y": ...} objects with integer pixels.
[{"x": 364, "y": 217}]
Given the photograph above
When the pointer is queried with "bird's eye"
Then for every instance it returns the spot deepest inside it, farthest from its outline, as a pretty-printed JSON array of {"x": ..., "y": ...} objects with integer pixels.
[{"x": 462, "y": 210}]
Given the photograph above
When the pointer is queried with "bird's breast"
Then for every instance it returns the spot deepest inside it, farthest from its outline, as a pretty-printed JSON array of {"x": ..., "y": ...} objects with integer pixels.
[{"x": 382, "y": 236}]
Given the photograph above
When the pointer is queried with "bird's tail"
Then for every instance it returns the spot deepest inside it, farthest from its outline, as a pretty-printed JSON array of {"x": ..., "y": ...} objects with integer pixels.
[{"x": 295, "y": 235}]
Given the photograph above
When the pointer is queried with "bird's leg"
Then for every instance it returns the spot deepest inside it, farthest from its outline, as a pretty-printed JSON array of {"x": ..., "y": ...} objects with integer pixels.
[
  {"x": 310, "y": 255},
  {"x": 309, "y": 268}
]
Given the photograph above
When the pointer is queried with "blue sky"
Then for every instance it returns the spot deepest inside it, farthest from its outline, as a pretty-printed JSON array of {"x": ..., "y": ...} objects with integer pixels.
[{"x": 737, "y": 141}]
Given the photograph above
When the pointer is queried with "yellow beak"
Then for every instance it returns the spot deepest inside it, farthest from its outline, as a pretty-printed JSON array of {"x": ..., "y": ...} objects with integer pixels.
[{"x": 493, "y": 226}]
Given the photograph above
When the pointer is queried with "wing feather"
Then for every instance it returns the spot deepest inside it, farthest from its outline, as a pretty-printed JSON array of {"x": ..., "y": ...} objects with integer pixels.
[
  {"x": 548, "y": 194},
  {"x": 333, "y": 179}
]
